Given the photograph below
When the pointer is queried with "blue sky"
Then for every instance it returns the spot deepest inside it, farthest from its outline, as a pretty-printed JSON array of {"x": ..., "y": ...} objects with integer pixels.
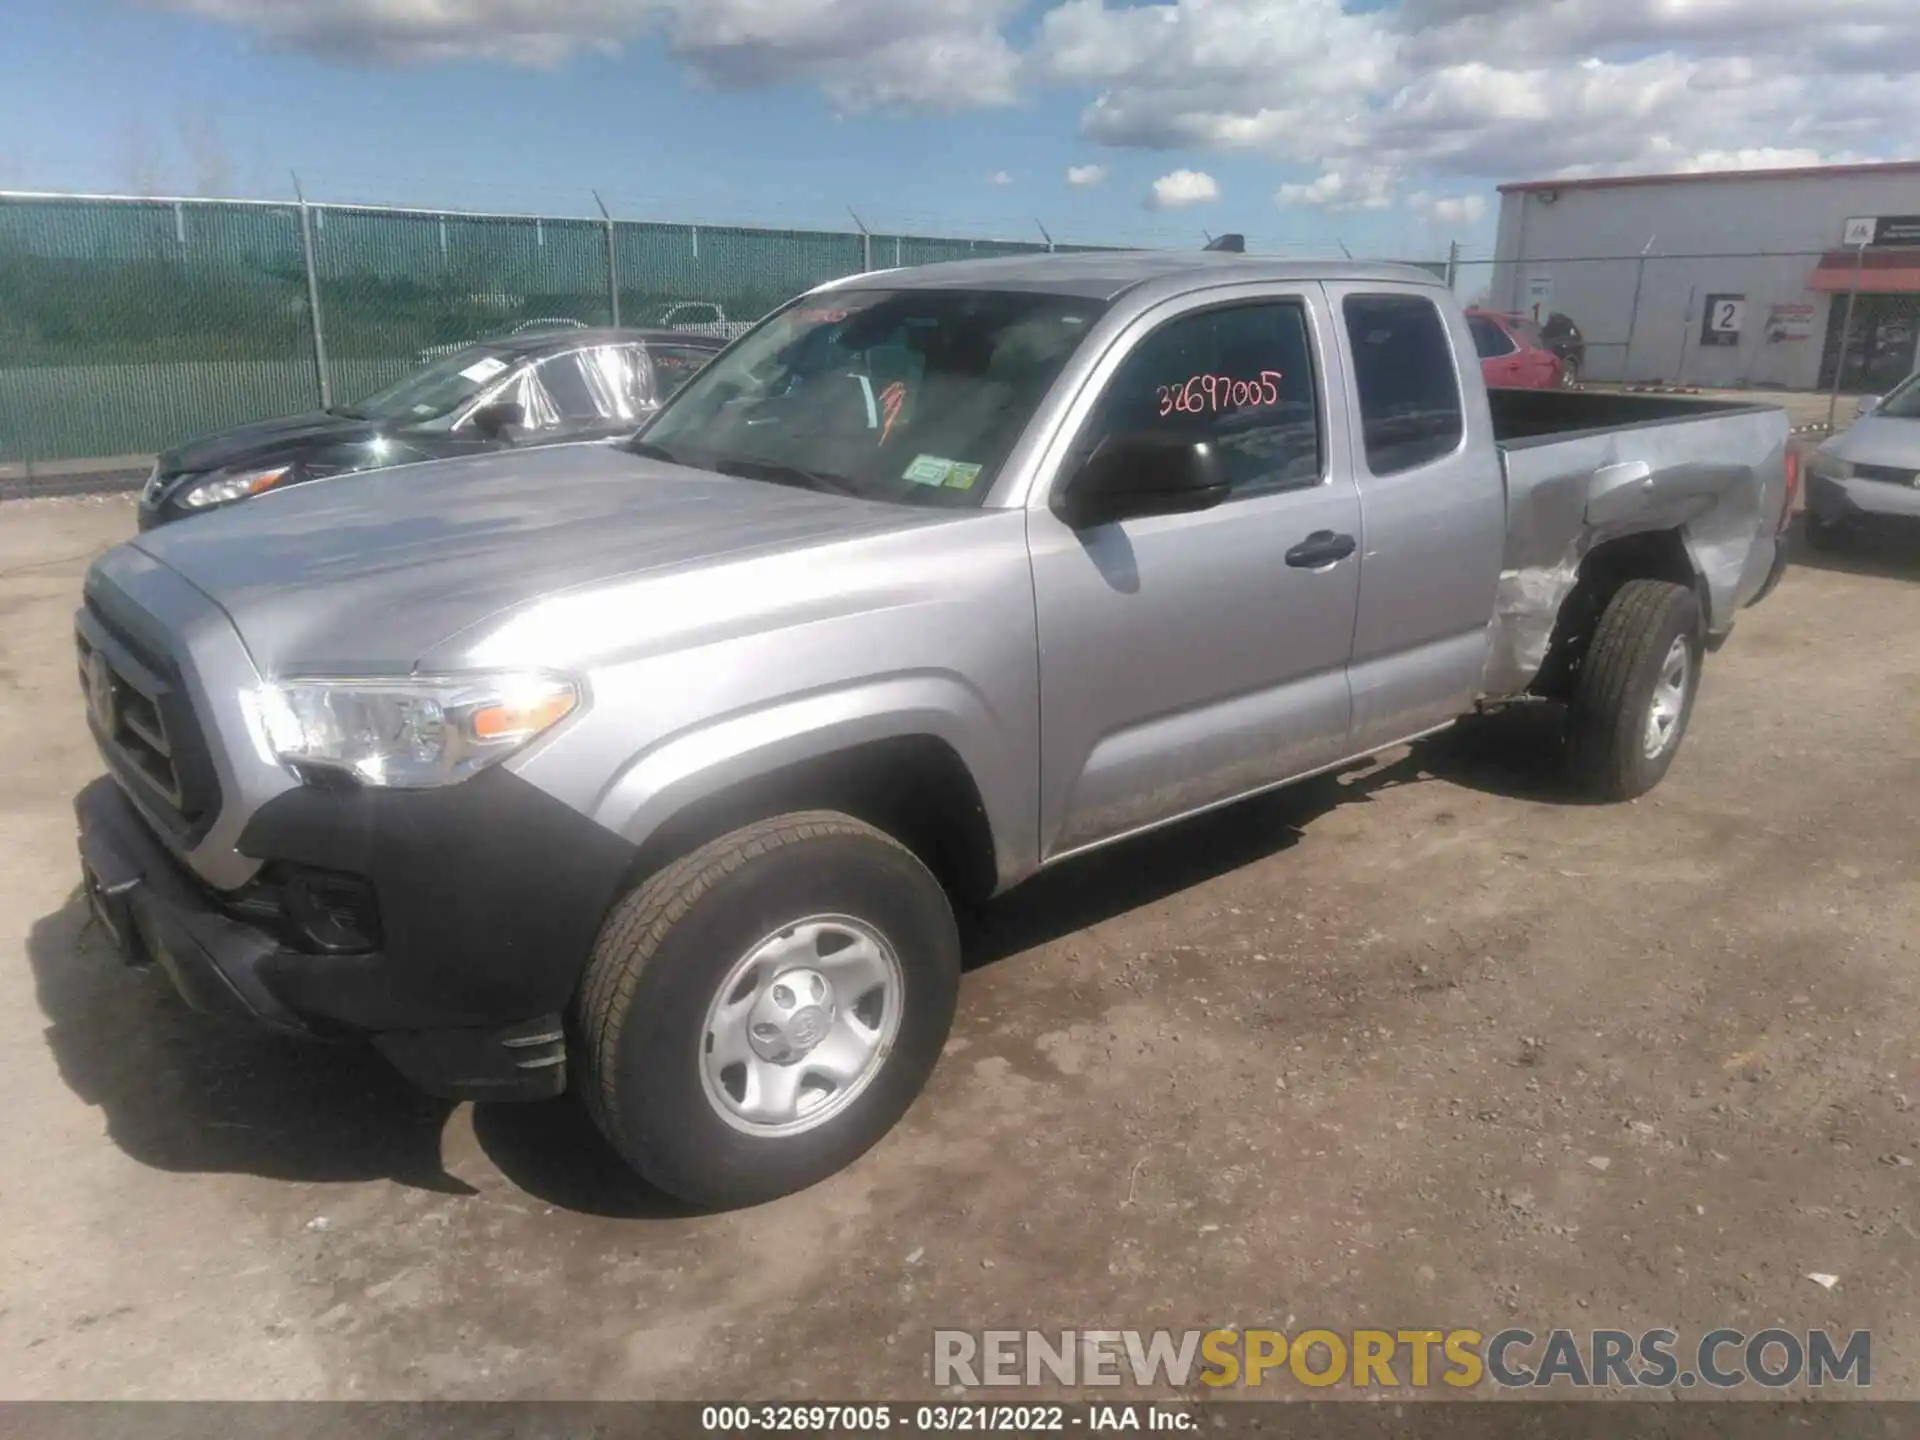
[
  {"x": 1383, "y": 124},
  {"x": 99, "y": 96}
]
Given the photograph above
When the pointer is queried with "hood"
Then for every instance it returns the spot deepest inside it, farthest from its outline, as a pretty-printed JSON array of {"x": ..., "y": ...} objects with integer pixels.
[
  {"x": 1879, "y": 440},
  {"x": 265, "y": 443},
  {"x": 366, "y": 572}
]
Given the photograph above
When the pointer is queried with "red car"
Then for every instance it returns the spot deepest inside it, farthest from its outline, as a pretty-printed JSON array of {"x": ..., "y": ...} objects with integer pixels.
[{"x": 1513, "y": 354}]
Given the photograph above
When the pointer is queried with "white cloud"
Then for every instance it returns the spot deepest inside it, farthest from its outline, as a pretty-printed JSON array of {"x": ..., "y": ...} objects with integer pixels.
[
  {"x": 920, "y": 54},
  {"x": 1441, "y": 210},
  {"x": 1338, "y": 191},
  {"x": 1436, "y": 96},
  {"x": 1000, "y": 177},
  {"x": 1182, "y": 187},
  {"x": 1085, "y": 175},
  {"x": 1431, "y": 93}
]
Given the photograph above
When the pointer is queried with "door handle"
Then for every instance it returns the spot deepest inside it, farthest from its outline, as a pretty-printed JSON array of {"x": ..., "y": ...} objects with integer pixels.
[{"x": 1321, "y": 549}]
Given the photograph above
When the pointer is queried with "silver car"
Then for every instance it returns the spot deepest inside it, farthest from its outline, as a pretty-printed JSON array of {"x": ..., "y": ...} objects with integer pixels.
[{"x": 1869, "y": 474}]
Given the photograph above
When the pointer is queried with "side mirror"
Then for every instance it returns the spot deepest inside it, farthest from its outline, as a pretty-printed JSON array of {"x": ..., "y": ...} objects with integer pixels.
[
  {"x": 1143, "y": 472},
  {"x": 493, "y": 421},
  {"x": 1868, "y": 404}
]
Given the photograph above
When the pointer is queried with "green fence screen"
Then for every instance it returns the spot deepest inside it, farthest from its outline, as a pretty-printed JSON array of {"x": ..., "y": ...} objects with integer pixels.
[{"x": 127, "y": 326}]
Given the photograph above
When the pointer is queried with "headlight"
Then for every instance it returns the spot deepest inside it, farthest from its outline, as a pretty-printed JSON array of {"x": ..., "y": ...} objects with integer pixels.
[
  {"x": 415, "y": 733},
  {"x": 236, "y": 486}
]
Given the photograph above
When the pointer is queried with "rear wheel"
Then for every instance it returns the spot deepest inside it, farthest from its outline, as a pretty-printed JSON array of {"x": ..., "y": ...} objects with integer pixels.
[
  {"x": 758, "y": 1014},
  {"x": 1570, "y": 374},
  {"x": 1635, "y": 691}
]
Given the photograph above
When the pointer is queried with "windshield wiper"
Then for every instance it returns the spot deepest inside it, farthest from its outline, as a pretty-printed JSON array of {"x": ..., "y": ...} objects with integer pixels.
[
  {"x": 742, "y": 469},
  {"x": 647, "y": 450},
  {"x": 779, "y": 474}
]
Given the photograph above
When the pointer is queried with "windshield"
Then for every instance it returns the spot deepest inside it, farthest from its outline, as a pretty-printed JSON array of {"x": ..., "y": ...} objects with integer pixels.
[
  {"x": 1527, "y": 333},
  {"x": 914, "y": 396},
  {"x": 434, "y": 392},
  {"x": 1904, "y": 402}
]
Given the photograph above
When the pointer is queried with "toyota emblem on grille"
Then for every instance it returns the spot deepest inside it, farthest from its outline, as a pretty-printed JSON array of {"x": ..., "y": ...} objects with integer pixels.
[{"x": 100, "y": 698}]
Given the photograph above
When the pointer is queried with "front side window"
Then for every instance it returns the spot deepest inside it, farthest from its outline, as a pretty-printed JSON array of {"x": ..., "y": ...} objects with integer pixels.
[
  {"x": 914, "y": 396},
  {"x": 1403, "y": 370},
  {"x": 1238, "y": 377}
]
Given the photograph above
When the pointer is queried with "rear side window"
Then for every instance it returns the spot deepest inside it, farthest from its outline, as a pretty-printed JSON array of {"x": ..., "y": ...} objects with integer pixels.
[
  {"x": 1403, "y": 370},
  {"x": 674, "y": 365},
  {"x": 1488, "y": 338}
]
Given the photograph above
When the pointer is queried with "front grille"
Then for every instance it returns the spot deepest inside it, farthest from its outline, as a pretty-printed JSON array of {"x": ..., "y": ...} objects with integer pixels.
[
  {"x": 1885, "y": 474},
  {"x": 144, "y": 723}
]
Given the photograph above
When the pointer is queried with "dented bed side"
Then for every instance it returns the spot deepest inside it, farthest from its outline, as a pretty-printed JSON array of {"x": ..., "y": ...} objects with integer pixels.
[{"x": 1716, "y": 473}]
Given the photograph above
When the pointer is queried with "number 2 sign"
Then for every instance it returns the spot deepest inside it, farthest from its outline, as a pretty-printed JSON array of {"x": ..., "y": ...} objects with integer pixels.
[{"x": 1723, "y": 320}]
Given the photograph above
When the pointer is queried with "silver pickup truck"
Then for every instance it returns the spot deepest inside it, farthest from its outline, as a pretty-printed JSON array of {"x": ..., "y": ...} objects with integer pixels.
[{"x": 657, "y": 771}]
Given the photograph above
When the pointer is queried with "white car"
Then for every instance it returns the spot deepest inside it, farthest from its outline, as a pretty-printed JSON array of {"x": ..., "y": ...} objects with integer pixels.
[
  {"x": 1869, "y": 474},
  {"x": 703, "y": 317}
]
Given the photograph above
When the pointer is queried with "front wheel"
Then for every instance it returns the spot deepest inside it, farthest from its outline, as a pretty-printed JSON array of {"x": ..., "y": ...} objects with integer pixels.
[
  {"x": 1635, "y": 691},
  {"x": 759, "y": 1013}
]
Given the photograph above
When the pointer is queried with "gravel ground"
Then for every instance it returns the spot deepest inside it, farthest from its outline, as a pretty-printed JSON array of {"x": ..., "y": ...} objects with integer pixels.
[{"x": 1426, "y": 1044}]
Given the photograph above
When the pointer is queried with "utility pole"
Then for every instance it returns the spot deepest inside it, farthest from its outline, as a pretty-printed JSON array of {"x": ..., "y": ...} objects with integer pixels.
[
  {"x": 866, "y": 241},
  {"x": 1633, "y": 312},
  {"x": 1846, "y": 335},
  {"x": 322, "y": 380},
  {"x": 613, "y": 259}
]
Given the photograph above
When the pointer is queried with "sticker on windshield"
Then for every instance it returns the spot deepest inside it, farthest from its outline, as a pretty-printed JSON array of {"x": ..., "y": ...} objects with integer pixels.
[
  {"x": 961, "y": 477},
  {"x": 483, "y": 370},
  {"x": 930, "y": 470}
]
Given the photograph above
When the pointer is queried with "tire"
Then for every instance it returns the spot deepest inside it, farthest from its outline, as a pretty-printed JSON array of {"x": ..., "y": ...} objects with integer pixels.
[
  {"x": 1570, "y": 375},
  {"x": 653, "y": 1080},
  {"x": 1631, "y": 662}
]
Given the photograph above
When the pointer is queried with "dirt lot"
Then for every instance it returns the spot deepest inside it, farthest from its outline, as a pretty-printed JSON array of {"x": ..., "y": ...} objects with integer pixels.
[{"x": 1428, "y": 1044}]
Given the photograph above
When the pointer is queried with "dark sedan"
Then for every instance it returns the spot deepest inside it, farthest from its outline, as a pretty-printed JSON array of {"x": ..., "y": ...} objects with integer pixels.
[{"x": 557, "y": 387}]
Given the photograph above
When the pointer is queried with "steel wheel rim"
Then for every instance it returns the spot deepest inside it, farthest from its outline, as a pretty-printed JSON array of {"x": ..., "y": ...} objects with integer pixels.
[
  {"x": 1669, "y": 703},
  {"x": 801, "y": 1025}
]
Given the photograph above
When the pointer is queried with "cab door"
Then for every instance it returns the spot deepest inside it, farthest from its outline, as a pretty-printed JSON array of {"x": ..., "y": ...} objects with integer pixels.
[
  {"x": 1434, "y": 496},
  {"x": 1189, "y": 659}
]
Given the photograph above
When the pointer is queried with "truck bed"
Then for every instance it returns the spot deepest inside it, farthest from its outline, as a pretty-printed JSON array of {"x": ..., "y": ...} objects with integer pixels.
[
  {"x": 1534, "y": 417},
  {"x": 1583, "y": 468}
]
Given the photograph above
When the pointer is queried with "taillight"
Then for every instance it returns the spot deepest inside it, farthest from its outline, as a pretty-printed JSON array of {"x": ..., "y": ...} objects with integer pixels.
[{"x": 1793, "y": 486}]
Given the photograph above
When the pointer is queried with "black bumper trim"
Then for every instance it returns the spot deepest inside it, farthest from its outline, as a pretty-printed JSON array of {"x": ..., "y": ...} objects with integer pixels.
[
  {"x": 521, "y": 1062},
  {"x": 159, "y": 915}
]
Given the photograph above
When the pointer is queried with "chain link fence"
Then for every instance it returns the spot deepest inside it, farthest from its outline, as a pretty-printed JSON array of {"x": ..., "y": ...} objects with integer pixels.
[{"x": 128, "y": 325}]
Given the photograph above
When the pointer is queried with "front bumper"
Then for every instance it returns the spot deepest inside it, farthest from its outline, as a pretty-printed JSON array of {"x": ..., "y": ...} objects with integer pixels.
[
  {"x": 1840, "y": 502},
  {"x": 458, "y": 1020}
]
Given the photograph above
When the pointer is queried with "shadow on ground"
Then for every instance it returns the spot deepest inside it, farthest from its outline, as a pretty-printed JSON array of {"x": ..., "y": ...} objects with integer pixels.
[
  {"x": 1512, "y": 753},
  {"x": 189, "y": 1093},
  {"x": 1890, "y": 553}
]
